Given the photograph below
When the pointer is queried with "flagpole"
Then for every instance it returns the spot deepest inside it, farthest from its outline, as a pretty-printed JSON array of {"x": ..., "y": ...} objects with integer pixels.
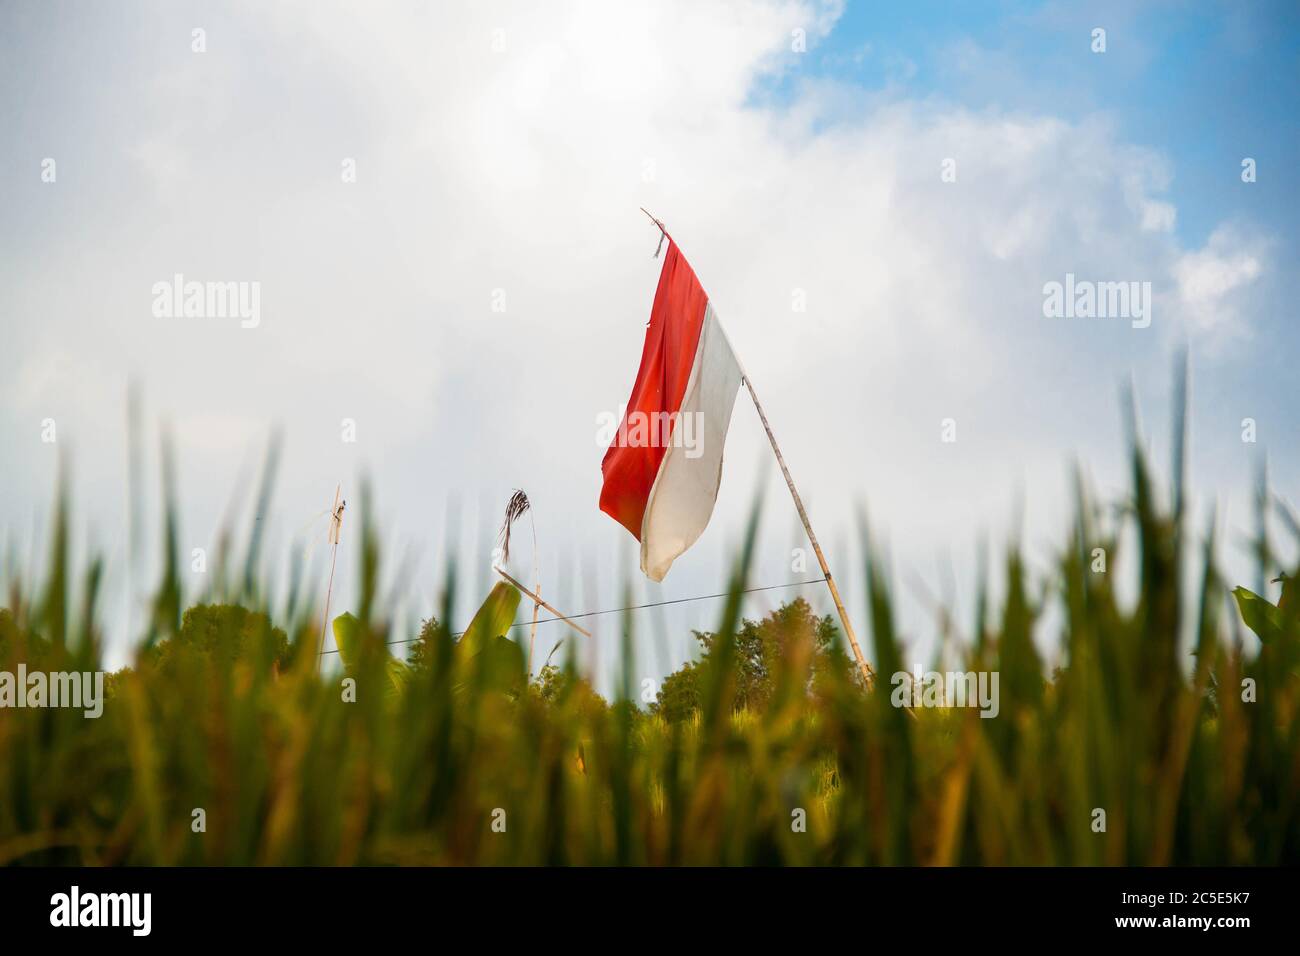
[{"x": 867, "y": 672}]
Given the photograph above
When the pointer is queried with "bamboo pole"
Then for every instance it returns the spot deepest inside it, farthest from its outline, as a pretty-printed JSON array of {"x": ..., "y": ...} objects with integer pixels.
[
  {"x": 532, "y": 632},
  {"x": 538, "y": 598},
  {"x": 335, "y": 529},
  {"x": 537, "y": 579},
  {"x": 867, "y": 672}
]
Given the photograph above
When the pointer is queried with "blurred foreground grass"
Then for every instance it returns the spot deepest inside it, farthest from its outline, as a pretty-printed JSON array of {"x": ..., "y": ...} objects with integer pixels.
[{"x": 225, "y": 712}]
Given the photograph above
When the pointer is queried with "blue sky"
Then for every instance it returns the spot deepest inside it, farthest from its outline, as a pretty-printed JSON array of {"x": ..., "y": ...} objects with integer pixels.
[{"x": 1205, "y": 82}]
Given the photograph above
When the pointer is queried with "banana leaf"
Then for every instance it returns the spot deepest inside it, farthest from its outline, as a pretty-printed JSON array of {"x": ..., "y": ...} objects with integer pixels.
[
  {"x": 491, "y": 620},
  {"x": 347, "y": 636},
  {"x": 1263, "y": 618}
]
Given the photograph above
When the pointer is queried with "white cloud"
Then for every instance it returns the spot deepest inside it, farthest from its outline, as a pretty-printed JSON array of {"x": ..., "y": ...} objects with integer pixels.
[
  {"x": 1158, "y": 216},
  {"x": 1212, "y": 278},
  {"x": 523, "y": 170}
]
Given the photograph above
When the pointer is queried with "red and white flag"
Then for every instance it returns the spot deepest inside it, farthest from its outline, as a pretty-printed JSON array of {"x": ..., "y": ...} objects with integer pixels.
[{"x": 663, "y": 468}]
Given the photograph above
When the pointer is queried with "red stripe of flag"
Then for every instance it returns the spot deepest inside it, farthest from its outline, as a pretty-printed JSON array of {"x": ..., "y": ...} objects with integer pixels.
[{"x": 671, "y": 340}]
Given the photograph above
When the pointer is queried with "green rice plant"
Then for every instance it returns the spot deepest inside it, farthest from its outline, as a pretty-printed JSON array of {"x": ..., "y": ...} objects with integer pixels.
[{"x": 1164, "y": 715}]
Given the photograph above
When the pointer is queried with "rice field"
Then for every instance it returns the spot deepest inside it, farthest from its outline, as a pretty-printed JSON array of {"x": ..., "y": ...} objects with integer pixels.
[{"x": 223, "y": 744}]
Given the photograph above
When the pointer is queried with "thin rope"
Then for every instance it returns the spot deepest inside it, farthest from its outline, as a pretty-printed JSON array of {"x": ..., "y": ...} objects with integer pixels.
[{"x": 633, "y": 607}]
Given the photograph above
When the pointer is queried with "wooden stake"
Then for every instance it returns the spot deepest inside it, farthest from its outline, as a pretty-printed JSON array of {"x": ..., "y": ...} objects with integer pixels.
[
  {"x": 336, "y": 526},
  {"x": 538, "y": 598},
  {"x": 532, "y": 633},
  {"x": 537, "y": 583},
  {"x": 867, "y": 672},
  {"x": 518, "y": 505}
]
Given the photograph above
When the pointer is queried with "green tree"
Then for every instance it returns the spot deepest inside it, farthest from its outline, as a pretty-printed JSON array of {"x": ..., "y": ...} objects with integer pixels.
[
  {"x": 759, "y": 645},
  {"x": 226, "y": 629},
  {"x": 18, "y": 643},
  {"x": 679, "y": 695},
  {"x": 556, "y": 686},
  {"x": 420, "y": 657}
]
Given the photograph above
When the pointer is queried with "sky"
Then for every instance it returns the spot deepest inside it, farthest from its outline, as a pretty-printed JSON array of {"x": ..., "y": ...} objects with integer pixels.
[{"x": 439, "y": 207}]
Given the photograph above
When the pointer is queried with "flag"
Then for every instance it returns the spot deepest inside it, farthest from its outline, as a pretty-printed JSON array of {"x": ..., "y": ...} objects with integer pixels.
[{"x": 663, "y": 468}]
